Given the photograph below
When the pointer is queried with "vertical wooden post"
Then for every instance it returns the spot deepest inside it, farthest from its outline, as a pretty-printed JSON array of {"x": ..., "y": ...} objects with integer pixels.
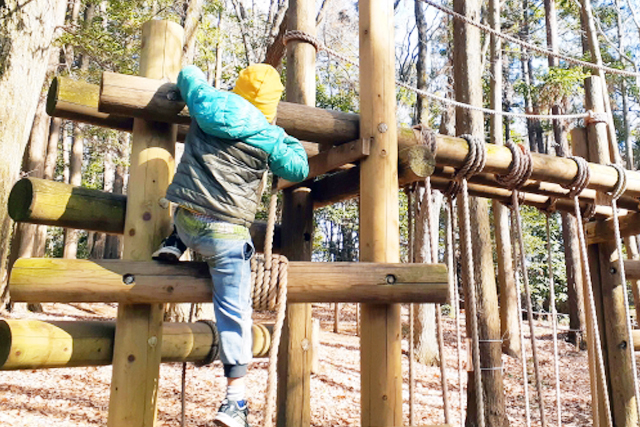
[
  {"x": 295, "y": 360},
  {"x": 137, "y": 345},
  {"x": 468, "y": 89},
  {"x": 620, "y": 376},
  {"x": 380, "y": 330}
]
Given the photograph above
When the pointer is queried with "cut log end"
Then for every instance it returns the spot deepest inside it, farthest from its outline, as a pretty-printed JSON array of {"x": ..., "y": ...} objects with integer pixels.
[{"x": 20, "y": 200}]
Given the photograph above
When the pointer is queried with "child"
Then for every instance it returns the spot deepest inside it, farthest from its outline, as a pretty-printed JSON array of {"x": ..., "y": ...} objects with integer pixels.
[{"x": 228, "y": 150}]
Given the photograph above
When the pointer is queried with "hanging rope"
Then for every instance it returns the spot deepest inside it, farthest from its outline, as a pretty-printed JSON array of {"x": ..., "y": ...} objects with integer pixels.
[
  {"x": 474, "y": 163},
  {"x": 554, "y": 320},
  {"x": 320, "y": 47},
  {"x": 575, "y": 188},
  {"x": 410, "y": 238},
  {"x": 455, "y": 301},
  {"x": 523, "y": 350},
  {"x": 619, "y": 189},
  {"x": 519, "y": 171},
  {"x": 533, "y": 47},
  {"x": 278, "y": 280},
  {"x": 433, "y": 245}
]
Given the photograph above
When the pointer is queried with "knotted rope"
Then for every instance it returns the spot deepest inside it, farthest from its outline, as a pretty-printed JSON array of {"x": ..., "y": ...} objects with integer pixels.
[
  {"x": 580, "y": 183},
  {"x": 519, "y": 171},
  {"x": 618, "y": 190}
]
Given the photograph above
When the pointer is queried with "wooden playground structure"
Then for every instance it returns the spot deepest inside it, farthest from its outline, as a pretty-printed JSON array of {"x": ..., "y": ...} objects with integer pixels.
[{"x": 381, "y": 159}]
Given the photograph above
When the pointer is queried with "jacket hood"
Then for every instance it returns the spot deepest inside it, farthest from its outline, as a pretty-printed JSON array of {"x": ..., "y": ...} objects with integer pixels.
[{"x": 260, "y": 85}]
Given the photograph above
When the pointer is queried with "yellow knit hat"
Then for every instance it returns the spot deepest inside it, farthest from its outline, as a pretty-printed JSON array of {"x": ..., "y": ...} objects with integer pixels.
[{"x": 260, "y": 85}]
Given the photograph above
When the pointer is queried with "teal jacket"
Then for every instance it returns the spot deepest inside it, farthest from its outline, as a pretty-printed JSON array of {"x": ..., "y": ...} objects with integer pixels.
[{"x": 229, "y": 147}]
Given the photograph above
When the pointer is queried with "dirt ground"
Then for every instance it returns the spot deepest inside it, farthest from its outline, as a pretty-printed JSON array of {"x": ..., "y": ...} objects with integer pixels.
[{"x": 79, "y": 397}]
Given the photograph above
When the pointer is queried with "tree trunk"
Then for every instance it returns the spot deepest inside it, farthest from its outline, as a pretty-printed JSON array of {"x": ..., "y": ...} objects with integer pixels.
[
  {"x": 577, "y": 321},
  {"x": 113, "y": 243},
  {"x": 75, "y": 178},
  {"x": 191, "y": 22},
  {"x": 468, "y": 89},
  {"x": 25, "y": 37}
]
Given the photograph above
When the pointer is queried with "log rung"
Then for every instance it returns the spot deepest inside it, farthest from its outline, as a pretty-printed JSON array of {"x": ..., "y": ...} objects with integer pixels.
[{"x": 148, "y": 282}]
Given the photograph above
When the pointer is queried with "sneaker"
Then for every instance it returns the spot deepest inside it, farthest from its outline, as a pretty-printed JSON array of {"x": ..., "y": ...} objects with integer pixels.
[
  {"x": 171, "y": 249},
  {"x": 232, "y": 414}
]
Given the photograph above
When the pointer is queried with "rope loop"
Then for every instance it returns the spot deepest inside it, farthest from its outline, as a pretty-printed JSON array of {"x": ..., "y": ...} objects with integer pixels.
[
  {"x": 595, "y": 118},
  {"x": 473, "y": 163},
  {"x": 581, "y": 180},
  {"x": 475, "y": 160},
  {"x": 303, "y": 37},
  {"x": 589, "y": 212},
  {"x": 621, "y": 183},
  {"x": 551, "y": 207},
  {"x": 427, "y": 137},
  {"x": 520, "y": 168}
]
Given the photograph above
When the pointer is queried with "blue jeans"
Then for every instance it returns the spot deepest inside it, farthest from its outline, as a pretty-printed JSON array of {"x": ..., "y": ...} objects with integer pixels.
[{"x": 228, "y": 249}]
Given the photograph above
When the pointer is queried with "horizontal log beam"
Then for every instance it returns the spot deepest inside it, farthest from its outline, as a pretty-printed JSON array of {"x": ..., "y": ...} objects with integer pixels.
[
  {"x": 603, "y": 231},
  {"x": 332, "y": 159},
  {"x": 151, "y": 99},
  {"x": 632, "y": 270},
  {"x": 345, "y": 185},
  {"x": 451, "y": 151},
  {"x": 38, "y": 344},
  {"x": 45, "y": 202},
  {"x": 65, "y": 280}
]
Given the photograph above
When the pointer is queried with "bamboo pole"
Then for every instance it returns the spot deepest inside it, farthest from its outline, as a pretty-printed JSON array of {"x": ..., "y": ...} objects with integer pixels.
[
  {"x": 138, "y": 282},
  {"x": 380, "y": 330},
  {"x": 620, "y": 376},
  {"x": 138, "y": 339},
  {"x": 295, "y": 360}
]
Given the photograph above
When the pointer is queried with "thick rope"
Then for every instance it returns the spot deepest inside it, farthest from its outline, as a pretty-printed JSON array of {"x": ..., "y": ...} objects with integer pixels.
[
  {"x": 525, "y": 279},
  {"x": 519, "y": 172},
  {"x": 302, "y": 36},
  {"x": 433, "y": 245},
  {"x": 472, "y": 306},
  {"x": 277, "y": 279},
  {"x": 474, "y": 163},
  {"x": 580, "y": 183},
  {"x": 619, "y": 189},
  {"x": 554, "y": 320},
  {"x": 523, "y": 350},
  {"x": 455, "y": 301},
  {"x": 533, "y": 47},
  {"x": 410, "y": 238}
]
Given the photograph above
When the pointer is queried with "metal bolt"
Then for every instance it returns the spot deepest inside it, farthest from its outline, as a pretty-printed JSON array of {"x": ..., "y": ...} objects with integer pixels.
[
  {"x": 172, "y": 95},
  {"x": 153, "y": 341},
  {"x": 128, "y": 279},
  {"x": 623, "y": 345},
  {"x": 391, "y": 279},
  {"x": 613, "y": 270},
  {"x": 382, "y": 127}
]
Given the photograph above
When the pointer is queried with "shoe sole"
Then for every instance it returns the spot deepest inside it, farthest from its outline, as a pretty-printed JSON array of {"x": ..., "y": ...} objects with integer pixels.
[
  {"x": 167, "y": 254},
  {"x": 224, "y": 420}
]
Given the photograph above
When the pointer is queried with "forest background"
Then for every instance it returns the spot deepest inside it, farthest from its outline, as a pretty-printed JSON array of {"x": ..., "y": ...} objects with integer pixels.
[{"x": 81, "y": 38}]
